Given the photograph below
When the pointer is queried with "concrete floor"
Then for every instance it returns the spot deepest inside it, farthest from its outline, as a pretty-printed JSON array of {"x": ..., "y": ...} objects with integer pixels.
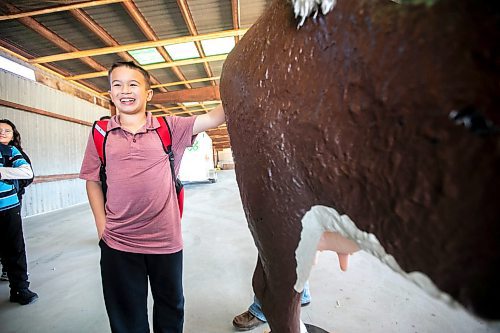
[{"x": 219, "y": 259}]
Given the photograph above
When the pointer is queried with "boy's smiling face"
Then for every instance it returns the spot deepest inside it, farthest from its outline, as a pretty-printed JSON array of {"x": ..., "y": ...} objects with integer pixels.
[{"x": 129, "y": 90}]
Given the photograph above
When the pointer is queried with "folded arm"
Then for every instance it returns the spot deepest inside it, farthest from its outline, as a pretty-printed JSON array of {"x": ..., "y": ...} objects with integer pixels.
[{"x": 21, "y": 172}]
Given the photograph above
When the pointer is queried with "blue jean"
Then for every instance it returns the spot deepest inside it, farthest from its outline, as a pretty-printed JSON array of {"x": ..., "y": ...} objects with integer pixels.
[{"x": 256, "y": 310}]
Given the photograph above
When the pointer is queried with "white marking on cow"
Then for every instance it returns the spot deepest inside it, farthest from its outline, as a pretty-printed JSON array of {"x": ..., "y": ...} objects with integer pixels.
[
  {"x": 304, "y": 8},
  {"x": 320, "y": 219}
]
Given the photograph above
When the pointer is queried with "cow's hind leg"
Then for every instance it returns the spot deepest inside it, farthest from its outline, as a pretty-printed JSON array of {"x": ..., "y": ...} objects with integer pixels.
[{"x": 278, "y": 300}]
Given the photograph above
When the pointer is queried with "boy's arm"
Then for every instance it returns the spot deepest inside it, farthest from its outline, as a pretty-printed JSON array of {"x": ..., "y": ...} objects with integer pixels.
[
  {"x": 96, "y": 200},
  {"x": 209, "y": 120}
]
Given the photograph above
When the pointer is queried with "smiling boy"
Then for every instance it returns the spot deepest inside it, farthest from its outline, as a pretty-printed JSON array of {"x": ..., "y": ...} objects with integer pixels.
[{"x": 139, "y": 223}]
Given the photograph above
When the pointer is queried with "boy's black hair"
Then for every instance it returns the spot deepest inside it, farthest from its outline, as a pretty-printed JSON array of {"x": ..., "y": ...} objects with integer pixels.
[{"x": 133, "y": 65}]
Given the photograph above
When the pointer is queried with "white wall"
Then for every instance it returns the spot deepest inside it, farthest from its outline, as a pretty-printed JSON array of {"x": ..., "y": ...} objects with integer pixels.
[
  {"x": 54, "y": 146},
  {"x": 198, "y": 160},
  {"x": 225, "y": 159}
]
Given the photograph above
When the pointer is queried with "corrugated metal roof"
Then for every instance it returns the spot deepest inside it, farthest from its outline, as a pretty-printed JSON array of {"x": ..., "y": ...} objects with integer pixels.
[
  {"x": 26, "y": 39},
  {"x": 195, "y": 71},
  {"x": 107, "y": 60},
  {"x": 101, "y": 82},
  {"x": 164, "y": 17},
  {"x": 164, "y": 76},
  {"x": 117, "y": 21},
  {"x": 29, "y": 5},
  {"x": 63, "y": 24},
  {"x": 251, "y": 10},
  {"x": 211, "y": 15},
  {"x": 216, "y": 67}
]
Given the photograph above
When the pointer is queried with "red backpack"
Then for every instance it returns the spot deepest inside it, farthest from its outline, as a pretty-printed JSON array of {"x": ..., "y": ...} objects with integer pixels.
[{"x": 100, "y": 135}]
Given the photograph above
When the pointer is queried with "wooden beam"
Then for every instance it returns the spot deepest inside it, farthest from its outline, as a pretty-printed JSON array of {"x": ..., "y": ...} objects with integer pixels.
[
  {"x": 180, "y": 107},
  {"x": 221, "y": 140},
  {"x": 166, "y": 109},
  {"x": 188, "y": 95},
  {"x": 51, "y": 36},
  {"x": 157, "y": 112},
  {"x": 187, "y": 81},
  {"x": 49, "y": 10},
  {"x": 192, "y": 111},
  {"x": 136, "y": 46},
  {"x": 53, "y": 70},
  {"x": 103, "y": 35},
  {"x": 188, "y": 18},
  {"x": 213, "y": 136},
  {"x": 93, "y": 26},
  {"x": 217, "y": 132},
  {"x": 55, "y": 178},
  {"x": 21, "y": 107},
  {"x": 235, "y": 9},
  {"x": 146, "y": 29},
  {"x": 171, "y": 84},
  {"x": 112, "y": 109},
  {"x": 153, "y": 66},
  {"x": 222, "y": 146}
]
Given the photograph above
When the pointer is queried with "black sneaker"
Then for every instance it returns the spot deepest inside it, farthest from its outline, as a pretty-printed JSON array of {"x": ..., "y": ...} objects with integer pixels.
[
  {"x": 4, "y": 277},
  {"x": 23, "y": 296}
]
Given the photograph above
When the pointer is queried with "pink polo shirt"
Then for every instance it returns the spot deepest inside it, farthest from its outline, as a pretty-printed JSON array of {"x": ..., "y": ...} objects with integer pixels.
[{"x": 142, "y": 215}]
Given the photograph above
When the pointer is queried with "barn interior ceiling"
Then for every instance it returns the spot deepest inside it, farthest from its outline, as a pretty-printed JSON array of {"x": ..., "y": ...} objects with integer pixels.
[{"x": 182, "y": 43}]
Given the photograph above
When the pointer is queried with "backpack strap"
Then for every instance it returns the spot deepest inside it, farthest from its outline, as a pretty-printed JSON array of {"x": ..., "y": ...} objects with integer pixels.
[
  {"x": 165, "y": 135},
  {"x": 166, "y": 140},
  {"x": 99, "y": 134},
  {"x": 6, "y": 152},
  {"x": 23, "y": 183},
  {"x": 9, "y": 159}
]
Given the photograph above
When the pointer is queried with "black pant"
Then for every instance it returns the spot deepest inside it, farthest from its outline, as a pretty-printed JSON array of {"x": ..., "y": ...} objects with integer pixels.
[
  {"x": 4, "y": 265},
  {"x": 125, "y": 287},
  {"x": 12, "y": 248},
  {"x": 2, "y": 260}
]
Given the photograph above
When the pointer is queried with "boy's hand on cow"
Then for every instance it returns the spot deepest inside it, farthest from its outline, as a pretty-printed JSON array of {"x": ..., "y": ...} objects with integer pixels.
[{"x": 333, "y": 241}]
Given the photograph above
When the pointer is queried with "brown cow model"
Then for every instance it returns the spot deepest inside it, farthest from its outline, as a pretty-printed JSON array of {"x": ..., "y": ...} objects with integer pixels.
[{"x": 378, "y": 121}]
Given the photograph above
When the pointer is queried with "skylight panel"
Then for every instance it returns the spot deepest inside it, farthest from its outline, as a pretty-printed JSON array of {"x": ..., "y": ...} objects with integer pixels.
[
  {"x": 217, "y": 45},
  {"x": 211, "y": 102},
  {"x": 182, "y": 51},
  {"x": 16, "y": 68},
  {"x": 147, "y": 56},
  {"x": 190, "y": 104}
]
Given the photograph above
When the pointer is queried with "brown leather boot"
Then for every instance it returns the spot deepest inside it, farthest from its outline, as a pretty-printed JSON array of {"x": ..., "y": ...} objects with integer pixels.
[{"x": 246, "y": 321}]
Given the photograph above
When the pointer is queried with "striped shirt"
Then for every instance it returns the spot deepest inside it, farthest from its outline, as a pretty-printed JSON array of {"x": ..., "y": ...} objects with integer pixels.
[{"x": 8, "y": 194}]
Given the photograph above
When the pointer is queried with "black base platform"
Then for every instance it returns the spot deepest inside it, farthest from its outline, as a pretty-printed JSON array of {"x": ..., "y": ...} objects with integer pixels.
[{"x": 314, "y": 329}]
